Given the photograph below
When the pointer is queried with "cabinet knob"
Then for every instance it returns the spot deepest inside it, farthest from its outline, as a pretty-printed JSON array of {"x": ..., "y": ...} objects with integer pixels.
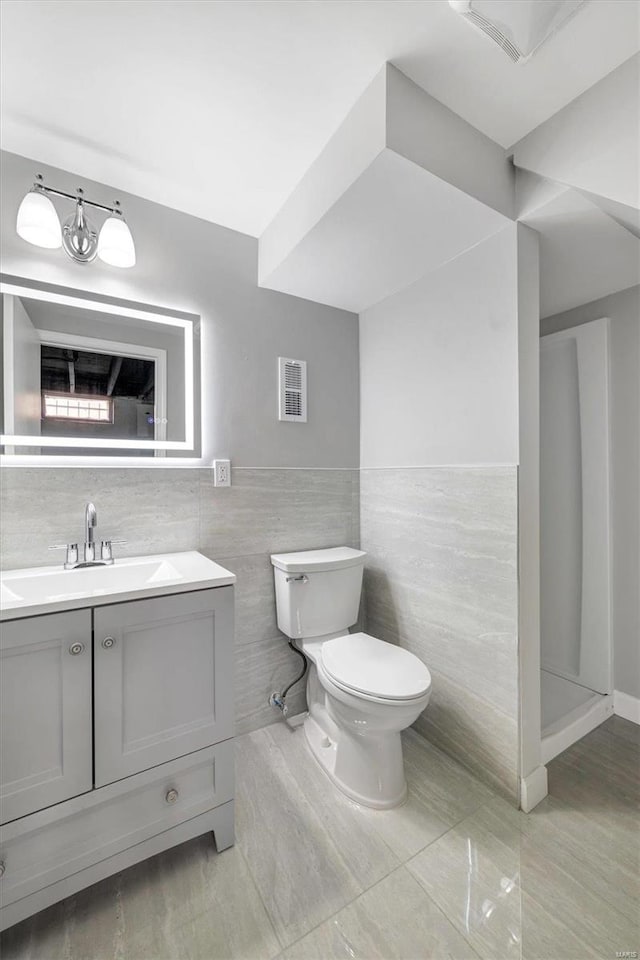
[
  {"x": 108, "y": 642},
  {"x": 2, "y": 868},
  {"x": 171, "y": 796},
  {"x": 76, "y": 648}
]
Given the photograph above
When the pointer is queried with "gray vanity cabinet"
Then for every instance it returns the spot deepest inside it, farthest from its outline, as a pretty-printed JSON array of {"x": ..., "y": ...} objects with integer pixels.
[
  {"x": 163, "y": 680},
  {"x": 46, "y": 723},
  {"x": 117, "y": 727}
]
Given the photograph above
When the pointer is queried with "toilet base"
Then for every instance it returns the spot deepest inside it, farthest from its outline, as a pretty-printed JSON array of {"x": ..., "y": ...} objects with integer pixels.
[{"x": 367, "y": 769}]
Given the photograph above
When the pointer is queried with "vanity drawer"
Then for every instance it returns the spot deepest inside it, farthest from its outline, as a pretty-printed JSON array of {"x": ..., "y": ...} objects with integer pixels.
[{"x": 56, "y": 843}]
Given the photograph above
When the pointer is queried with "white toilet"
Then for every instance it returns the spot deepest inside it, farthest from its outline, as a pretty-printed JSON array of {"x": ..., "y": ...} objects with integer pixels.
[{"x": 361, "y": 692}]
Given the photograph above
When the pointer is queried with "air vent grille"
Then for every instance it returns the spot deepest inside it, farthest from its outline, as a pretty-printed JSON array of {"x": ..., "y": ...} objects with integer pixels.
[
  {"x": 292, "y": 379},
  {"x": 492, "y": 31}
]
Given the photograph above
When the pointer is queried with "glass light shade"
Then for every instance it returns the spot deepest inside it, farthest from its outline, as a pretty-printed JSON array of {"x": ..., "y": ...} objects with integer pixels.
[
  {"x": 38, "y": 221},
  {"x": 115, "y": 243}
]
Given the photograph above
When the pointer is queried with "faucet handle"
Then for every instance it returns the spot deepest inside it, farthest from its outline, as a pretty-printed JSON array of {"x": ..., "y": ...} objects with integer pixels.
[
  {"x": 106, "y": 552},
  {"x": 72, "y": 552}
]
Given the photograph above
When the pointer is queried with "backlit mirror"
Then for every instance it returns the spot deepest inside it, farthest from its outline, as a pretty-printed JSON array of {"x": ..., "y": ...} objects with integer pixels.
[{"x": 93, "y": 377}]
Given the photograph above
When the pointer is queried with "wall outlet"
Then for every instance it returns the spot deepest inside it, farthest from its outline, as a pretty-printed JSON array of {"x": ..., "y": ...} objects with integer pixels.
[{"x": 222, "y": 473}]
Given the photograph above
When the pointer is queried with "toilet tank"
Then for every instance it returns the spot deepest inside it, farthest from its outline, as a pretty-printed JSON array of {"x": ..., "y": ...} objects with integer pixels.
[{"x": 317, "y": 591}]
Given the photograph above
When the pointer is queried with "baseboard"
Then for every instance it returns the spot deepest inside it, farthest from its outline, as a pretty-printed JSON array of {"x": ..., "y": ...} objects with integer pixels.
[
  {"x": 533, "y": 789},
  {"x": 626, "y": 706}
]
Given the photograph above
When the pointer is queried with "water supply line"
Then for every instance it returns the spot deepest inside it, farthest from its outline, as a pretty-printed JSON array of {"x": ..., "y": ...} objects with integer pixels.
[{"x": 279, "y": 699}]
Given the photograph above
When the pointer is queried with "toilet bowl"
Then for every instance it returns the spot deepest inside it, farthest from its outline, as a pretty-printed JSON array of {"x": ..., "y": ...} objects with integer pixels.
[{"x": 361, "y": 691}]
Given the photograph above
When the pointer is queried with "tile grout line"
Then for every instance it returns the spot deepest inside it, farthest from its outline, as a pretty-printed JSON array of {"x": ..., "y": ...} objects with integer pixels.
[
  {"x": 364, "y": 890},
  {"x": 451, "y": 920},
  {"x": 441, "y": 836},
  {"x": 400, "y": 865},
  {"x": 260, "y": 898}
]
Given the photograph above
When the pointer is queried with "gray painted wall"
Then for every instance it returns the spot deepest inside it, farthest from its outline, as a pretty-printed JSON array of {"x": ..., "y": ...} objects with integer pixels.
[
  {"x": 624, "y": 311},
  {"x": 439, "y": 448},
  {"x": 192, "y": 265}
]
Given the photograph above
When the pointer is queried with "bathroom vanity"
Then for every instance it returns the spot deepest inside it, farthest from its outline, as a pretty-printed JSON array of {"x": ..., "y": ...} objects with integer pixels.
[{"x": 117, "y": 720}]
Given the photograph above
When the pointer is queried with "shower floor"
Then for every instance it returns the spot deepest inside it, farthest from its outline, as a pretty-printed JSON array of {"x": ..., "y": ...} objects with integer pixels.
[{"x": 568, "y": 712}]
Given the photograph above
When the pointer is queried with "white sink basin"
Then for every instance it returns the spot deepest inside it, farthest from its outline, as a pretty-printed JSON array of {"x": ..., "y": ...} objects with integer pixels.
[{"x": 50, "y": 589}]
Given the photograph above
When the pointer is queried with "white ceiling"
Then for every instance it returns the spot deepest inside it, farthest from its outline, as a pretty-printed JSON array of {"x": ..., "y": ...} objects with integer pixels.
[
  {"x": 218, "y": 108},
  {"x": 394, "y": 224},
  {"x": 584, "y": 253}
]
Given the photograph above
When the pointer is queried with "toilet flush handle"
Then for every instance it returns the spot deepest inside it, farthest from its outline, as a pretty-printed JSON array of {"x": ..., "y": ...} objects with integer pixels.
[{"x": 303, "y": 578}]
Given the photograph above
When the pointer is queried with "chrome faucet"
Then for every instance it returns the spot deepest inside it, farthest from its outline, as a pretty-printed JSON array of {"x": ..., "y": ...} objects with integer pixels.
[
  {"x": 90, "y": 523},
  {"x": 87, "y": 557}
]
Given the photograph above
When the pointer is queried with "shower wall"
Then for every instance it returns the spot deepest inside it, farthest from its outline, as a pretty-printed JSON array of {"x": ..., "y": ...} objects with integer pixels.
[
  {"x": 623, "y": 311},
  {"x": 575, "y": 595}
]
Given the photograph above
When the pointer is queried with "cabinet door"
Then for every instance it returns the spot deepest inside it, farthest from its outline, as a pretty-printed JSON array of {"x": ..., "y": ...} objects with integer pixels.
[
  {"x": 163, "y": 680},
  {"x": 45, "y": 725}
]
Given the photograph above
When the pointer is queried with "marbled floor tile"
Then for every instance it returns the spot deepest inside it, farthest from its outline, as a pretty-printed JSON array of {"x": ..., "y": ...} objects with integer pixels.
[
  {"x": 573, "y": 876},
  {"x": 409, "y": 828},
  {"x": 472, "y": 873},
  {"x": 569, "y": 889},
  {"x": 271, "y": 511},
  {"x": 394, "y": 920},
  {"x": 440, "y": 794},
  {"x": 189, "y": 902},
  {"x": 546, "y": 938},
  {"x": 298, "y": 869},
  {"x": 608, "y": 864},
  {"x": 619, "y": 727},
  {"x": 367, "y": 854},
  {"x": 450, "y": 790},
  {"x": 155, "y": 511},
  {"x": 600, "y": 777},
  {"x": 617, "y": 759}
]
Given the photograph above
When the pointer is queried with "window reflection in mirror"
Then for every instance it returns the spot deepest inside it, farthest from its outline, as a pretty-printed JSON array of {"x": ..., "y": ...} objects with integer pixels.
[{"x": 88, "y": 394}]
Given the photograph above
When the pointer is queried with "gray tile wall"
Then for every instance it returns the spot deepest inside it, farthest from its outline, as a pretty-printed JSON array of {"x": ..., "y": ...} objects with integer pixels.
[
  {"x": 441, "y": 580},
  {"x": 163, "y": 511}
]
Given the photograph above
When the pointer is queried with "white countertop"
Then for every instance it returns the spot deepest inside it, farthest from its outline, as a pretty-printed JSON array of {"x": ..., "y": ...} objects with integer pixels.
[{"x": 39, "y": 590}]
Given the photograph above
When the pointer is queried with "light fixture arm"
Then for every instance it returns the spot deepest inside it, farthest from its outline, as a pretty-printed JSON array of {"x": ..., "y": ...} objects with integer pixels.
[{"x": 40, "y": 185}]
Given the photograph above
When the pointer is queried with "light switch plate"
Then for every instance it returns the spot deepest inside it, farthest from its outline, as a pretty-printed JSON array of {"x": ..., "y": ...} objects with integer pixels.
[{"x": 222, "y": 473}]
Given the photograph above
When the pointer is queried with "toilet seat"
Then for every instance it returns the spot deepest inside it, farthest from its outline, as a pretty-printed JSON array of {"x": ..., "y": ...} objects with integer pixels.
[{"x": 371, "y": 668}]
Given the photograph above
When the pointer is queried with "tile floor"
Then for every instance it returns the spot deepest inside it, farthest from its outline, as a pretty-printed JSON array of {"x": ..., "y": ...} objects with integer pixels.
[{"x": 455, "y": 873}]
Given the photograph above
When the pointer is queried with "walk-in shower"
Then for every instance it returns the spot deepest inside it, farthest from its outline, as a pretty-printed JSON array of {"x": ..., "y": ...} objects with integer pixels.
[{"x": 575, "y": 589}]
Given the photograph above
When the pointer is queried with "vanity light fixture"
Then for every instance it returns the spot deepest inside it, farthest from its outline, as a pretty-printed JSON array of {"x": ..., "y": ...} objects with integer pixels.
[{"x": 38, "y": 223}]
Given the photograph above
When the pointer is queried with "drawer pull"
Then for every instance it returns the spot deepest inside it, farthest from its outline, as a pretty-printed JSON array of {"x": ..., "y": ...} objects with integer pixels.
[
  {"x": 76, "y": 648},
  {"x": 108, "y": 642},
  {"x": 171, "y": 796},
  {"x": 2, "y": 868}
]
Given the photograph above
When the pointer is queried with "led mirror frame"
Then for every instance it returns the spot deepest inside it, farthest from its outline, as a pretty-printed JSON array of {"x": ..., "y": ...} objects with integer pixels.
[{"x": 99, "y": 306}]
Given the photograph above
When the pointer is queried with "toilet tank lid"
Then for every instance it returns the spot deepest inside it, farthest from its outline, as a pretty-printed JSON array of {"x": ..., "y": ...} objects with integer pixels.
[{"x": 313, "y": 561}]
